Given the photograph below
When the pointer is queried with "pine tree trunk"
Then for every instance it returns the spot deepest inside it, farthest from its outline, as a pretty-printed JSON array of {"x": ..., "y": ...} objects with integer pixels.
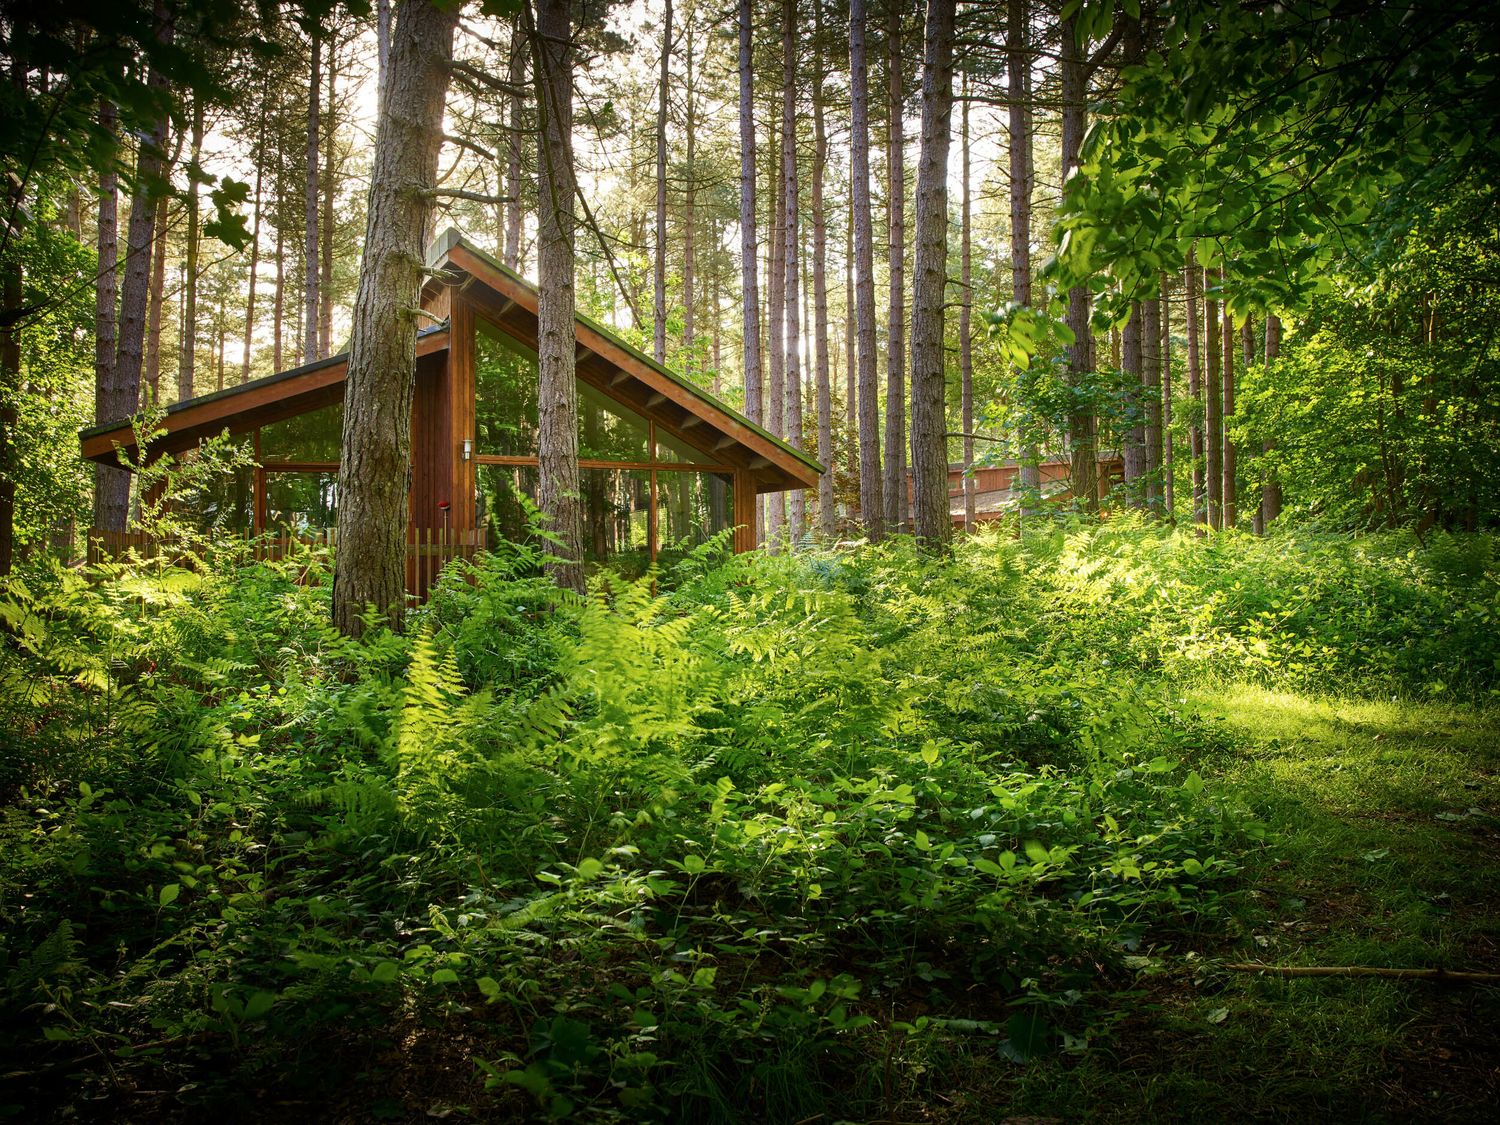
[
  {"x": 929, "y": 413},
  {"x": 826, "y": 513},
  {"x": 1133, "y": 440},
  {"x": 125, "y": 388},
  {"x": 1151, "y": 401},
  {"x": 278, "y": 300},
  {"x": 310, "y": 211},
  {"x": 851, "y": 368},
  {"x": 897, "y": 495},
  {"x": 152, "y": 374},
  {"x": 1018, "y": 91},
  {"x": 1082, "y": 423},
  {"x": 1230, "y": 487},
  {"x": 1270, "y": 495},
  {"x": 111, "y": 485},
  {"x": 382, "y": 51},
  {"x": 966, "y": 307},
  {"x": 1193, "y": 283},
  {"x": 517, "y": 75},
  {"x": 1213, "y": 393},
  {"x": 1168, "y": 460},
  {"x": 776, "y": 327},
  {"x": 375, "y": 465},
  {"x": 260, "y": 158},
  {"x": 326, "y": 187},
  {"x": 689, "y": 208},
  {"x": 557, "y": 490},
  {"x": 187, "y": 361},
  {"x": 659, "y": 250},
  {"x": 749, "y": 240},
  {"x": 871, "y": 482},
  {"x": 791, "y": 254}
]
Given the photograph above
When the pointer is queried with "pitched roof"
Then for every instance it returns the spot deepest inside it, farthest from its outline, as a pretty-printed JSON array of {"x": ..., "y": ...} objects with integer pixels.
[{"x": 612, "y": 363}]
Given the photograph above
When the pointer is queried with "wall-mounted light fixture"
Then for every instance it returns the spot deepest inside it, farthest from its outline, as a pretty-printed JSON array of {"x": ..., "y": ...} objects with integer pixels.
[{"x": 468, "y": 448}]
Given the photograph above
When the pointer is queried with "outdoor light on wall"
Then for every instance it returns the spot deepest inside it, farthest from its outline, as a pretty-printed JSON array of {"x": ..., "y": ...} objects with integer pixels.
[{"x": 468, "y": 448}]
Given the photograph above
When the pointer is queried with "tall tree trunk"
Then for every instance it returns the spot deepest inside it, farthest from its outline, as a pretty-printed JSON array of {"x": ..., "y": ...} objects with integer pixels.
[
  {"x": 966, "y": 297},
  {"x": 793, "y": 252},
  {"x": 557, "y": 491},
  {"x": 1018, "y": 94},
  {"x": 659, "y": 263},
  {"x": 187, "y": 362},
  {"x": 1193, "y": 283},
  {"x": 111, "y": 485},
  {"x": 826, "y": 514},
  {"x": 278, "y": 300},
  {"x": 871, "y": 483},
  {"x": 326, "y": 187},
  {"x": 1230, "y": 489},
  {"x": 1151, "y": 401},
  {"x": 897, "y": 497},
  {"x": 1213, "y": 392},
  {"x": 12, "y": 297},
  {"x": 1270, "y": 493},
  {"x": 1083, "y": 425},
  {"x": 689, "y": 207},
  {"x": 929, "y": 413},
  {"x": 382, "y": 52},
  {"x": 376, "y": 457},
  {"x": 152, "y": 374},
  {"x": 749, "y": 239},
  {"x": 1133, "y": 440},
  {"x": 851, "y": 368},
  {"x": 260, "y": 159},
  {"x": 125, "y": 390},
  {"x": 310, "y": 210},
  {"x": 776, "y": 327},
  {"x": 1168, "y": 460},
  {"x": 517, "y": 75}
]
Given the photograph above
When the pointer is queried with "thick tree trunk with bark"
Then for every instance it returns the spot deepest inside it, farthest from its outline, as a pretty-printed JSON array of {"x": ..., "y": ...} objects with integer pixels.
[
  {"x": 871, "y": 482},
  {"x": 792, "y": 253},
  {"x": 897, "y": 498},
  {"x": 310, "y": 210},
  {"x": 375, "y": 465},
  {"x": 557, "y": 489},
  {"x": 749, "y": 238},
  {"x": 124, "y": 392},
  {"x": 929, "y": 414},
  {"x": 1082, "y": 423}
]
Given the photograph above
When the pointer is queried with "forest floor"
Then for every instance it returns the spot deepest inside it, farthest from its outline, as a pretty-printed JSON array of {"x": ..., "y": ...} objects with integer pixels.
[{"x": 1387, "y": 853}]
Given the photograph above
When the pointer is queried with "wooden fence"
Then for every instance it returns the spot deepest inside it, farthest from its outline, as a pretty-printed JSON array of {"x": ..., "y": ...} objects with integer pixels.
[{"x": 428, "y": 549}]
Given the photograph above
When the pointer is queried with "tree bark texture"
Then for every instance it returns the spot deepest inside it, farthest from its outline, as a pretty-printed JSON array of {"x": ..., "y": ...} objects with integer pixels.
[
  {"x": 1168, "y": 460},
  {"x": 375, "y": 466},
  {"x": 749, "y": 239},
  {"x": 111, "y": 485},
  {"x": 516, "y": 75},
  {"x": 776, "y": 327},
  {"x": 1082, "y": 423},
  {"x": 820, "y": 293},
  {"x": 897, "y": 498},
  {"x": 1151, "y": 401},
  {"x": 659, "y": 250},
  {"x": 125, "y": 387},
  {"x": 1270, "y": 495},
  {"x": 871, "y": 482},
  {"x": 929, "y": 414},
  {"x": 310, "y": 210},
  {"x": 1133, "y": 439},
  {"x": 1231, "y": 468},
  {"x": 151, "y": 376},
  {"x": 966, "y": 309},
  {"x": 1193, "y": 283},
  {"x": 187, "y": 360},
  {"x": 557, "y": 490},
  {"x": 1213, "y": 393},
  {"x": 1022, "y": 179},
  {"x": 797, "y": 521}
]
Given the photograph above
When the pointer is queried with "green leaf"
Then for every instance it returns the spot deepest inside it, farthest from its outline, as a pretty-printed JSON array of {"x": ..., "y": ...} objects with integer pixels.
[
  {"x": 444, "y": 976},
  {"x": 385, "y": 972},
  {"x": 168, "y": 894},
  {"x": 489, "y": 987},
  {"x": 693, "y": 864}
]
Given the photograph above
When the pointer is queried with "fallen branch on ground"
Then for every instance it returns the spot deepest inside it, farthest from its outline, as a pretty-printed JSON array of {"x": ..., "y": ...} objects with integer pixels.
[{"x": 1366, "y": 971}]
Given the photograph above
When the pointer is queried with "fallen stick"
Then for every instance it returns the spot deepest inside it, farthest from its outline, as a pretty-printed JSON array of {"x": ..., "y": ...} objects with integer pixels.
[{"x": 1366, "y": 971}]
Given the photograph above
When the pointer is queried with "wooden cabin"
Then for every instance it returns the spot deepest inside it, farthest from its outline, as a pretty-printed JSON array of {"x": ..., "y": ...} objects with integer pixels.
[
  {"x": 664, "y": 465},
  {"x": 995, "y": 493}
]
